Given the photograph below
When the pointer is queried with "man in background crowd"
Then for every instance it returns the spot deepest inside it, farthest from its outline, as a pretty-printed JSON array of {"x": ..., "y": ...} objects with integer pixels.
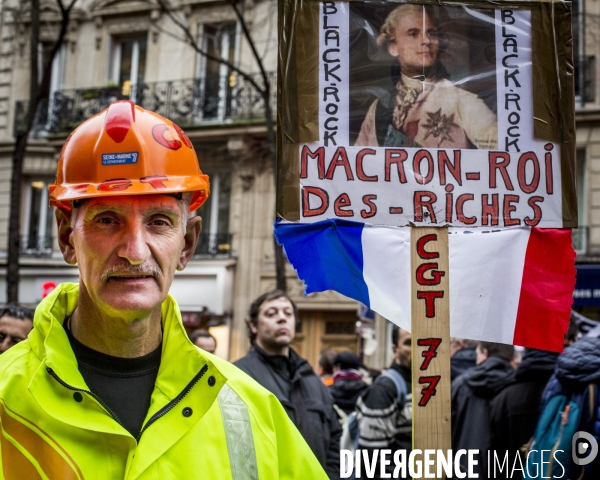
[
  {"x": 462, "y": 356},
  {"x": 15, "y": 324},
  {"x": 277, "y": 367},
  {"x": 204, "y": 340},
  {"x": 325, "y": 370},
  {"x": 348, "y": 383},
  {"x": 384, "y": 411},
  {"x": 515, "y": 410},
  {"x": 472, "y": 393},
  {"x": 517, "y": 357},
  {"x": 571, "y": 402}
]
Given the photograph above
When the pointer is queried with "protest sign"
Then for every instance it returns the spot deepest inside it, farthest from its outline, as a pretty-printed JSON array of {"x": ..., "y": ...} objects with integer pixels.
[
  {"x": 475, "y": 130},
  {"x": 436, "y": 116}
]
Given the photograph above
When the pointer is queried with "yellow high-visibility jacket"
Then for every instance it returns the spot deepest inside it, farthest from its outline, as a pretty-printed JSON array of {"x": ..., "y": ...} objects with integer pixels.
[{"x": 207, "y": 419}]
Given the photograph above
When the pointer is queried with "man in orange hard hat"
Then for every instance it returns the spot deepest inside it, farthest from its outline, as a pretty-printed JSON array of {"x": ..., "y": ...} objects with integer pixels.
[{"x": 108, "y": 385}]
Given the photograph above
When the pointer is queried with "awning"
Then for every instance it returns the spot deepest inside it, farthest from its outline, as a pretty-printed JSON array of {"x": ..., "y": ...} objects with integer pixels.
[{"x": 587, "y": 286}]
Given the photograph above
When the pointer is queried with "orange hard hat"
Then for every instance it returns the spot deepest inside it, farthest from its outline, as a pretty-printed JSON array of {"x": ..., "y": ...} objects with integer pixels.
[{"x": 126, "y": 150}]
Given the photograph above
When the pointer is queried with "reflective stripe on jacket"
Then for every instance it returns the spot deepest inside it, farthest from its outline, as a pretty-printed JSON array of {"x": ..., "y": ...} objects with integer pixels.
[{"x": 207, "y": 419}]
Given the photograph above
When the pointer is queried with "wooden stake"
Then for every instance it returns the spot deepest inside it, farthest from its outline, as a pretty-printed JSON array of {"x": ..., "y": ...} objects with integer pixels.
[{"x": 430, "y": 323}]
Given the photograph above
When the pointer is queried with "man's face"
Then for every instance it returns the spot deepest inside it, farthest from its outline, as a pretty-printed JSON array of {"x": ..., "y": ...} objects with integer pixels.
[
  {"x": 402, "y": 351},
  {"x": 127, "y": 249},
  {"x": 276, "y": 324},
  {"x": 207, "y": 344},
  {"x": 416, "y": 43},
  {"x": 13, "y": 331}
]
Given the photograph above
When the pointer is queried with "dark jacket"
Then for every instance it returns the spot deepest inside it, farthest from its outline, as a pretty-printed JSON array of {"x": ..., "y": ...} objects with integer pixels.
[
  {"x": 575, "y": 370},
  {"x": 580, "y": 364},
  {"x": 472, "y": 393},
  {"x": 305, "y": 399},
  {"x": 462, "y": 361},
  {"x": 347, "y": 387},
  {"x": 515, "y": 410}
]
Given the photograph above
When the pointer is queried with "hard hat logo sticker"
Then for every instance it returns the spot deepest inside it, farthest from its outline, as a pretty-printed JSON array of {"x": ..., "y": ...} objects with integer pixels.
[
  {"x": 115, "y": 185},
  {"x": 184, "y": 138},
  {"x": 168, "y": 140},
  {"x": 119, "y": 158},
  {"x": 120, "y": 184}
]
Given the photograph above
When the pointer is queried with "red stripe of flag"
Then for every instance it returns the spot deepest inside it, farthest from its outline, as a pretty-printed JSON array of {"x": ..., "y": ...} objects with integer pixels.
[{"x": 546, "y": 290}]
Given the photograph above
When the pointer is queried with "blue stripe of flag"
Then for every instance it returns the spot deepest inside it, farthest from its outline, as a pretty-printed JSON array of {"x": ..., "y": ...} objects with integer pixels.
[{"x": 327, "y": 255}]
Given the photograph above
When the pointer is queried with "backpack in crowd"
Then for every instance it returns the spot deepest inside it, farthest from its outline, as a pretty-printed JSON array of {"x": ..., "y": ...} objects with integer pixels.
[
  {"x": 350, "y": 429},
  {"x": 564, "y": 412}
]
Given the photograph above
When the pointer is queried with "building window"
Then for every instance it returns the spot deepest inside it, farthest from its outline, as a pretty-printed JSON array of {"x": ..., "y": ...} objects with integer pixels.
[
  {"x": 215, "y": 238},
  {"x": 580, "y": 234},
  {"x": 37, "y": 218},
  {"x": 216, "y": 79},
  {"x": 585, "y": 65},
  {"x": 56, "y": 79},
  {"x": 128, "y": 64},
  {"x": 58, "y": 64}
]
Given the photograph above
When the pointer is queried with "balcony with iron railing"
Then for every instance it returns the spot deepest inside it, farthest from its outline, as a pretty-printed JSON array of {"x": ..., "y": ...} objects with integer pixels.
[
  {"x": 38, "y": 246},
  {"x": 210, "y": 246},
  {"x": 210, "y": 100}
]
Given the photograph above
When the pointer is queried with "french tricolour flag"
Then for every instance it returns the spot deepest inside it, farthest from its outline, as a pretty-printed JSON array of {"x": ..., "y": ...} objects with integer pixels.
[{"x": 510, "y": 286}]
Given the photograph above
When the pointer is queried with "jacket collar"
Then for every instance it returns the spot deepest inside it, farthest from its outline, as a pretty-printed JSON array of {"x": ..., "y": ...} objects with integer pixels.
[
  {"x": 181, "y": 362},
  {"x": 293, "y": 365},
  {"x": 48, "y": 339},
  {"x": 402, "y": 370}
]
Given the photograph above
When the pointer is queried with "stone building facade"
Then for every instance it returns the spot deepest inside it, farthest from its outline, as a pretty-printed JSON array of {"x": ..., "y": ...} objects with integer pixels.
[
  {"x": 586, "y": 32},
  {"x": 117, "y": 49},
  {"x": 128, "y": 49}
]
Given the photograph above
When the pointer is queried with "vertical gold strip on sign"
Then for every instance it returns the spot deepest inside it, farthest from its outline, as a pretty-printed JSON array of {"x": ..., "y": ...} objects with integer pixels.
[
  {"x": 553, "y": 92},
  {"x": 430, "y": 340},
  {"x": 562, "y": 22},
  {"x": 307, "y": 71},
  {"x": 297, "y": 95}
]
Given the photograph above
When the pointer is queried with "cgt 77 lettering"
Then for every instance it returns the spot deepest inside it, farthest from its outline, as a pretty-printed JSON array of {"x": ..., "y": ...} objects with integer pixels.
[
  {"x": 430, "y": 390},
  {"x": 436, "y": 275},
  {"x": 431, "y": 352}
]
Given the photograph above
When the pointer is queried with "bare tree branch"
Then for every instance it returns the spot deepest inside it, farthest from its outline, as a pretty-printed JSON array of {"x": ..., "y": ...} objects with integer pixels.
[
  {"x": 161, "y": 29},
  {"x": 250, "y": 42},
  {"x": 44, "y": 89},
  {"x": 192, "y": 42},
  {"x": 267, "y": 88},
  {"x": 38, "y": 91},
  {"x": 265, "y": 93}
]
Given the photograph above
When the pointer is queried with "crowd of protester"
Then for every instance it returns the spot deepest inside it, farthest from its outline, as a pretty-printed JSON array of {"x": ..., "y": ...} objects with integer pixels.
[
  {"x": 499, "y": 396},
  {"x": 504, "y": 399}
]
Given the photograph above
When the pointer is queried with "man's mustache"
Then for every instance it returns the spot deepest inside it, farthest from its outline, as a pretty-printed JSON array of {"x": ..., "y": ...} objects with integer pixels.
[{"x": 133, "y": 270}]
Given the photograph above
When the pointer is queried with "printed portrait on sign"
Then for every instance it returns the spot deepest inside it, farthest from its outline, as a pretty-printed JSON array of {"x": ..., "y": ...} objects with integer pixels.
[{"x": 422, "y": 76}]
